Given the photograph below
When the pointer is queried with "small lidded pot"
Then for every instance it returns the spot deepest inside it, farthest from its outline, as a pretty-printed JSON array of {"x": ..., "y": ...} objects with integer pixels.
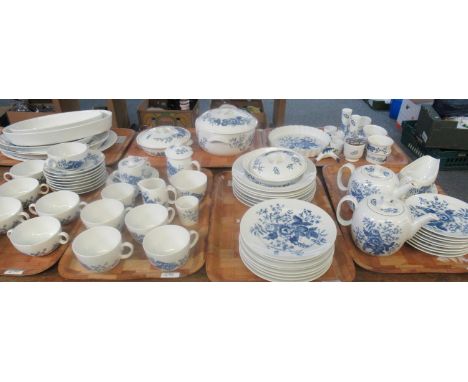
[
  {"x": 226, "y": 130},
  {"x": 180, "y": 158}
]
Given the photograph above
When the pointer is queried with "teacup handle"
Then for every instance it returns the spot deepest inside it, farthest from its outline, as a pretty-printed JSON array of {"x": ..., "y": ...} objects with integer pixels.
[
  {"x": 9, "y": 232},
  {"x": 194, "y": 236},
  {"x": 43, "y": 189},
  {"x": 196, "y": 164},
  {"x": 174, "y": 192},
  {"x": 351, "y": 168},
  {"x": 347, "y": 198},
  {"x": 32, "y": 208},
  {"x": 24, "y": 216},
  {"x": 127, "y": 210},
  {"x": 82, "y": 205},
  {"x": 129, "y": 246},
  {"x": 171, "y": 213},
  {"x": 7, "y": 176},
  {"x": 64, "y": 238}
]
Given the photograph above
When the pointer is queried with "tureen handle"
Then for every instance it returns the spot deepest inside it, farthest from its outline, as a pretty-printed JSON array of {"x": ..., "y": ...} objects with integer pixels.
[
  {"x": 351, "y": 168},
  {"x": 218, "y": 139},
  {"x": 347, "y": 198}
]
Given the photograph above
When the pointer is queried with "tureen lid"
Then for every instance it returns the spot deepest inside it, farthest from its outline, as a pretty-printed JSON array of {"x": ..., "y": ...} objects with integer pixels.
[
  {"x": 179, "y": 152},
  {"x": 226, "y": 119},
  {"x": 384, "y": 205},
  {"x": 162, "y": 137},
  {"x": 281, "y": 165},
  {"x": 377, "y": 173}
]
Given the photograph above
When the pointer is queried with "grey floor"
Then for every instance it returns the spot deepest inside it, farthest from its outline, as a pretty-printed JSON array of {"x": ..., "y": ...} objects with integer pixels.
[{"x": 319, "y": 113}]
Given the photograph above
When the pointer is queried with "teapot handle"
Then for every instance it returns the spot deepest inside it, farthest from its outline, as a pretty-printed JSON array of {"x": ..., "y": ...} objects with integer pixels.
[
  {"x": 351, "y": 168},
  {"x": 347, "y": 198}
]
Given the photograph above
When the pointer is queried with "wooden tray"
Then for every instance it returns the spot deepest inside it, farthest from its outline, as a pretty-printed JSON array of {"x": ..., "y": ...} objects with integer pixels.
[
  {"x": 113, "y": 154},
  {"x": 397, "y": 157},
  {"x": 138, "y": 267},
  {"x": 223, "y": 262},
  {"x": 206, "y": 160},
  {"x": 407, "y": 259}
]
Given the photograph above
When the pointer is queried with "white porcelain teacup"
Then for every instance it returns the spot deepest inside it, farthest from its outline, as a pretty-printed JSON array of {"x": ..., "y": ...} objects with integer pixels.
[
  {"x": 38, "y": 236},
  {"x": 26, "y": 190},
  {"x": 28, "y": 168},
  {"x": 11, "y": 213},
  {"x": 155, "y": 190},
  {"x": 190, "y": 182},
  {"x": 67, "y": 156},
  {"x": 99, "y": 249},
  {"x": 142, "y": 219},
  {"x": 353, "y": 149},
  {"x": 374, "y": 130},
  {"x": 109, "y": 212},
  {"x": 168, "y": 247},
  {"x": 63, "y": 205},
  {"x": 133, "y": 169},
  {"x": 123, "y": 192},
  {"x": 376, "y": 158},
  {"x": 188, "y": 210},
  {"x": 379, "y": 144}
]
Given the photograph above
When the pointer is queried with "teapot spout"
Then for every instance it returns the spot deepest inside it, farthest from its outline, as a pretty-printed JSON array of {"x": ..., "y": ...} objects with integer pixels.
[
  {"x": 401, "y": 191},
  {"x": 419, "y": 222}
]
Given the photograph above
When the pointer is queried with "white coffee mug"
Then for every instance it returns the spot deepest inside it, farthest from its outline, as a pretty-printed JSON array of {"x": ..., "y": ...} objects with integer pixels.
[
  {"x": 133, "y": 169},
  {"x": 123, "y": 192},
  {"x": 155, "y": 190},
  {"x": 99, "y": 249},
  {"x": 180, "y": 158},
  {"x": 190, "y": 182}
]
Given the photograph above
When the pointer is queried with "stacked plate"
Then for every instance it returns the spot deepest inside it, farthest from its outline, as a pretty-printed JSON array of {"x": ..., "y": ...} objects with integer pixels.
[
  {"x": 447, "y": 236},
  {"x": 87, "y": 178},
  {"x": 271, "y": 173},
  {"x": 32, "y": 138},
  {"x": 287, "y": 240}
]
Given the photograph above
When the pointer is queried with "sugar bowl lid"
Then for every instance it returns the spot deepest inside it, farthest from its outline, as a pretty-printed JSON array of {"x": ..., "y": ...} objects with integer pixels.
[
  {"x": 226, "y": 119},
  {"x": 278, "y": 165},
  {"x": 179, "y": 152},
  {"x": 162, "y": 137}
]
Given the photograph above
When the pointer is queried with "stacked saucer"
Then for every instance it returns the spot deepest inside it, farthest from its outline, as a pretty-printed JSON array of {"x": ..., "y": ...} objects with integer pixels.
[
  {"x": 87, "y": 177},
  {"x": 271, "y": 173},
  {"x": 287, "y": 240},
  {"x": 447, "y": 236}
]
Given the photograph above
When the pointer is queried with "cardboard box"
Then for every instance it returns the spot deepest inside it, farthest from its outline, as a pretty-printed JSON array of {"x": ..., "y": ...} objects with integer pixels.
[
  {"x": 410, "y": 109},
  {"x": 438, "y": 133},
  {"x": 149, "y": 115},
  {"x": 246, "y": 104}
]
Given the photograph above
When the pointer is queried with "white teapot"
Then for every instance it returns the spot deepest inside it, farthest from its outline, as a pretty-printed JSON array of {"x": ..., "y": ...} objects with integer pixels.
[
  {"x": 371, "y": 179},
  {"x": 381, "y": 224}
]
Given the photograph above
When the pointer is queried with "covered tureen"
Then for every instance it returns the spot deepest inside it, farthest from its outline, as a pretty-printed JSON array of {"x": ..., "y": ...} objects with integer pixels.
[{"x": 156, "y": 140}]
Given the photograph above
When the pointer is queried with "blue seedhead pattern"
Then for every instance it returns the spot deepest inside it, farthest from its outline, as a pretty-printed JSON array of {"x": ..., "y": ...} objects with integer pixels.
[
  {"x": 450, "y": 220},
  {"x": 130, "y": 179},
  {"x": 362, "y": 190},
  {"x": 304, "y": 143},
  {"x": 171, "y": 169},
  {"x": 235, "y": 121},
  {"x": 377, "y": 238},
  {"x": 283, "y": 229},
  {"x": 180, "y": 132},
  {"x": 191, "y": 215},
  {"x": 241, "y": 142}
]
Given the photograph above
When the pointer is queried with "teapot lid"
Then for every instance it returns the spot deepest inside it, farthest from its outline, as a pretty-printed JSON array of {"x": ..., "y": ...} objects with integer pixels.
[
  {"x": 377, "y": 172},
  {"x": 384, "y": 205},
  {"x": 226, "y": 119}
]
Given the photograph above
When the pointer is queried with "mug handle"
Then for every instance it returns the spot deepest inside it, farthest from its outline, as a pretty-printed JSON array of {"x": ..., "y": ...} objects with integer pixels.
[
  {"x": 171, "y": 212},
  {"x": 347, "y": 198},
  {"x": 127, "y": 210},
  {"x": 128, "y": 245},
  {"x": 32, "y": 208},
  {"x": 24, "y": 216},
  {"x": 64, "y": 238},
  {"x": 81, "y": 205},
  {"x": 43, "y": 189},
  {"x": 194, "y": 236},
  {"x": 7, "y": 176},
  {"x": 351, "y": 168},
  {"x": 196, "y": 164},
  {"x": 174, "y": 192}
]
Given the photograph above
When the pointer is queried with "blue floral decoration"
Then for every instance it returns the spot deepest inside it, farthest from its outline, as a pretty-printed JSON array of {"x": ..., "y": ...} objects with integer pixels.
[
  {"x": 191, "y": 215},
  {"x": 362, "y": 190},
  {"x": 235, "y": 121},
  {"x": 107, "y": 266},
  {"x": 292, "y": 142},
  {"x": 171, "y": 169},
  {"x": 377, "y": 238},
  {"x": 130, "y": 179},
  {"x": 168, "y": 266},
  {"x": 284, "y": 230}
]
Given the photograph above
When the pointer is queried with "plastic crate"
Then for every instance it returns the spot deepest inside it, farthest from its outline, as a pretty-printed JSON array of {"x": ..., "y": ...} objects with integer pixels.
[{"x": 449, "y": 159}]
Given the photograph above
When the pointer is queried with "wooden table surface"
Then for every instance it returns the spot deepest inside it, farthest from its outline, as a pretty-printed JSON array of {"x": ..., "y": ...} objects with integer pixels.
[{"x": 361, "y": 274}]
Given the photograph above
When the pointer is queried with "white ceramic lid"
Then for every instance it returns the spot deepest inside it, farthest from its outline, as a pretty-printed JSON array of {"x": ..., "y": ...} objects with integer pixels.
[
  {"x": 226, "y": 119},
  {"x": 377, "y": 173},
  {"x": 162, "y": 137},
  {"x": 385, "y": 206},
  {"x": 179, "y": 152},
  {"x": 279, "y": 165}
]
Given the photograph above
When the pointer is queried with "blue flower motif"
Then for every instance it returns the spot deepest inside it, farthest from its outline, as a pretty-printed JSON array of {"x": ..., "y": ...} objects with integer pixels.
[
  {"x": 362, "y": 190},
  {"x": 377, "y": 238},
  {"x": 171, "y": 169},
  {"x": 106, "y": 266},
  {"x": 168, "y": 266},
  {"x": 292, "y": 142},
  {"x": 235, "y": 121},
  {"x": 130, "y": 179}
]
